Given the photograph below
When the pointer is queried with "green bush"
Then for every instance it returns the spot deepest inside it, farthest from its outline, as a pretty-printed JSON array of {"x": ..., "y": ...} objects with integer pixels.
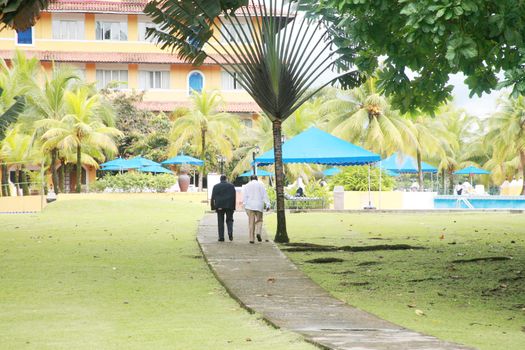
[
  {"x": 355, "y": 178},
  {"x": 312, "y": 189},
  {"x": 134, "y": 182}
]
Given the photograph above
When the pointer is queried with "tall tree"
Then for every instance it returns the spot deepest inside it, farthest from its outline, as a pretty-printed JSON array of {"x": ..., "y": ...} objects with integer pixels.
[
  {"x": 21, "y": 14},
  {"x": 432, "y": 39},
  {"x": 16, "y": 149},
  {"x": 507, "y": 133},
  {"x": 363, "y": 116},
  {"x": 269, "y": 48},
  {"x": 49, "y": 103},
  {"x": 205, "y": 128},
  {"x": 84, "y": 127}
]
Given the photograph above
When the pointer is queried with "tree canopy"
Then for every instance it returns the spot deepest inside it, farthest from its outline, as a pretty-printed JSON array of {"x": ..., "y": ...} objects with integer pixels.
[
  {"x": 21, "y": 14},
  {"x": 431, "y": 38}
]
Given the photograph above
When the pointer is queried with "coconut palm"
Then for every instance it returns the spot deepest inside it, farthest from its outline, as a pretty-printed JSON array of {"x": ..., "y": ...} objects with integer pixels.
[
  {"x": 16, "y": 149},
  {"x": 208, "y": 130},
  {"x": 49, "y": 103},
  {"x": 364, "y": 117},
  {"x": 506, "y": 133},
  {"x": 82, "y": 130}
]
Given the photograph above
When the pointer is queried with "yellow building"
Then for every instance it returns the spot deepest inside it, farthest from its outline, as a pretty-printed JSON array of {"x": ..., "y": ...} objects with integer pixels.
[{"x": 106, "y": 41}]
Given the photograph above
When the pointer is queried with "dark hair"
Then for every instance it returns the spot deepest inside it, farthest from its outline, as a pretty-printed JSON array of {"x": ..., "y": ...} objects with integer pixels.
[
  {"x": 223, "y": 178},
  {"x": 253, "y": 177}
]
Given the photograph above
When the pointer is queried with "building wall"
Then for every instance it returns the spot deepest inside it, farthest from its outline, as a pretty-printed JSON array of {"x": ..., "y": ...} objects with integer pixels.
[{"x": 177, "y": 91}]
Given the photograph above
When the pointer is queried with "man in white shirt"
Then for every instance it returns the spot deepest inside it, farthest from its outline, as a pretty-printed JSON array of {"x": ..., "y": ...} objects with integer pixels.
[{"x": 255, "y": 200}]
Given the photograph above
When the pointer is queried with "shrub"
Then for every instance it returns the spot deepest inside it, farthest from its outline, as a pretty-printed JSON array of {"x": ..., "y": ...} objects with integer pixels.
[
  {"x": 134, "y": 182},
  {"x": 355, "y": 178},
  {"x": 312, "y": 189}
]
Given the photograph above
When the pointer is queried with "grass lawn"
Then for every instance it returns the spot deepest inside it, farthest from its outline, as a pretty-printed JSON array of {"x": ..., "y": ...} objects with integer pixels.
[
  {"x": 479, "y": 303},
  {"x": 118, "y": 272}
]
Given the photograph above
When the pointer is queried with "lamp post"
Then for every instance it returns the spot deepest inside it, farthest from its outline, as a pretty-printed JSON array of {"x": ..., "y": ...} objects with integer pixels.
[
  {"x": 254, "y": 153},
  {"x": 221, "y": 161}
]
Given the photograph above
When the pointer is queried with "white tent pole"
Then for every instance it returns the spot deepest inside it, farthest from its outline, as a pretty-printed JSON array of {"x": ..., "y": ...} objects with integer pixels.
[
  {"x": 380, "y": 183},
  {"x": 369, "y": 187}
]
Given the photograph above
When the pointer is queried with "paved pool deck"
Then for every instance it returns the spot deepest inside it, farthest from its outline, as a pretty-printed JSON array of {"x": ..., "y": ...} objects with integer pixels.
[{"x": 262, "y": 279}]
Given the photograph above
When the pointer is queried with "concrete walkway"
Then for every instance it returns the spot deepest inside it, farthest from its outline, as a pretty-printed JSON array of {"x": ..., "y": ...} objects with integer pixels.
[{"x": 262, "y": 279}]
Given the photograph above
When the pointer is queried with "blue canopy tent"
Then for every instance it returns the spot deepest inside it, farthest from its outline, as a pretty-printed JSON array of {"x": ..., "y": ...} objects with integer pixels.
[
  {"x": 319, "y": 147},
  {"x": 260, "y": 172},
  {"x": 182, "y": 159},
  {"x": 403, "y": 164},
  {"x": 155, "y": 169},
  {"x": 331, "y": 171},
  {"x": 471, "y": 171}
]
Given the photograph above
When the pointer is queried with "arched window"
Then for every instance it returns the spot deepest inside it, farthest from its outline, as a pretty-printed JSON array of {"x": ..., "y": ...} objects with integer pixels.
[{"x": 195, "y": 81}]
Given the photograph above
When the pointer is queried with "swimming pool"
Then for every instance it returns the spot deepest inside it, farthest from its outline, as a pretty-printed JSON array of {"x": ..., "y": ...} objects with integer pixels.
[{"x": 479, "y": 202}]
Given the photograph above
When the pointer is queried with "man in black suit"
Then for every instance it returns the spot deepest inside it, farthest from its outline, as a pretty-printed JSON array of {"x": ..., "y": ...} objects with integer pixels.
[{"x": 223, "y": 202}]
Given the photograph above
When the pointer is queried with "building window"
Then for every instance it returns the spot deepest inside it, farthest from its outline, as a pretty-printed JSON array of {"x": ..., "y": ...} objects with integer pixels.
[
  {"x": 154, "y": 80},
  {"x": 229, "y": 82},
  {"x": 247, "y": 123},
  {"x": 25, "y": 37},
  {"x": 195, "y": 81},
  {"x": 68, "y": 29},
  {"x": 107, "y": 30},
  {"x": 117, "y": 78},
  {"x": 143, "y": 26},
  {"x": 240, "y": 32}
]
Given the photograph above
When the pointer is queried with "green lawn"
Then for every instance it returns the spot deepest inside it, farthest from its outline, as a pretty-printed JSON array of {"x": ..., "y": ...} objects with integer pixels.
[
  {"x": 481, "y": 303},
  {"x": 118, "y": 272}
]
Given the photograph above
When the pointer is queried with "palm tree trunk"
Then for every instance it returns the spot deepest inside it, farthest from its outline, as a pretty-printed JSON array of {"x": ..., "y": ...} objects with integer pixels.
[
  {"x": 54, "y": 177},
  {"x": 79, "y": 169},
  {"x": 443, "y": 181},
  {"x": 522, "y": 161},
  {"x": 419, "y": 171},
  {"x": 281, "y": 236},
  {"x": 62, "y": 176},
  {"x": 6, "y": 191},
  {"x": 203, "y": 155},
  {"x": 23, "y": 178},
  {"x": 451, "y": 181}
]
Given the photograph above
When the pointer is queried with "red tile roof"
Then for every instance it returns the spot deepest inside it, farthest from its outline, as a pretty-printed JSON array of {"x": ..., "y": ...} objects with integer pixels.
[
  {"x": 168, "y": 106},
  {"x": 99, "y": 6},
  {"x": 104, "y": 6},
  {"x": 103, "y": 57}
]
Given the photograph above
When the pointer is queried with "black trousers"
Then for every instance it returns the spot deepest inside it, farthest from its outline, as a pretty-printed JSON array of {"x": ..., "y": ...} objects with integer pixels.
[{"x": 229, "y": 222}]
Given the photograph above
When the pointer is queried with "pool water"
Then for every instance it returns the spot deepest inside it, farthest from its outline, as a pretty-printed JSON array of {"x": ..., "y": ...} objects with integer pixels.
[{"x": 479, "y": 202}]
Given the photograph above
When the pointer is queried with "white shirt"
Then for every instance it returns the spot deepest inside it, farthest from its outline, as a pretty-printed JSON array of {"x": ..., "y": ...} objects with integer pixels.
[{"x": 254, "y": 196}]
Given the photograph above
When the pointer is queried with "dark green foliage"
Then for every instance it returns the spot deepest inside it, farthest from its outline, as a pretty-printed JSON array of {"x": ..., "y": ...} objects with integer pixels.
[
  {"x": 21, "y": 14},
  {"x": 146, "y": 133},
  {"x": 135, "y": 182},
  {"x": 355, "y": 178},
  {"x": 433, "y": 39}
]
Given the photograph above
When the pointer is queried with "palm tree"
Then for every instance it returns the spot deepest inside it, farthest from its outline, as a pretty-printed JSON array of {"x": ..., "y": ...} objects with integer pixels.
[
  {"x": 204, "y": 123},
  {"x": 16, "y": 148},
  {"x": 82, "y": 130},
  {"x": 49, "y": 103},
  {"x": 271, "y": 49},
  {"x": 21, "y": 15},
  {"x": 507, "y": 133},
  {"x": 364, "y": 117}
]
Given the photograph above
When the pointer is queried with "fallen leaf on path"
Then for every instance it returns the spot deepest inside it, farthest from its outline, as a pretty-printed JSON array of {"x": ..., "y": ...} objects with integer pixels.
[
  {"x": 419, "y": 312},
  {"x": 270, "y": 280}
]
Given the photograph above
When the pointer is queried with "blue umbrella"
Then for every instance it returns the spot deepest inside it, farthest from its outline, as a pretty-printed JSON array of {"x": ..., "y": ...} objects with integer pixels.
[
  {"x": 331, "y": 171},
  {"x": 118, "y": 167},
  {"x": 260, "y": 172},
  {"x": 403, "y": 164},
  {"x": 391, "y": 173},
  {"x": 472, "y": 170},
  {"x": 319, "y": 147},
  {"x": 155, "y": 169},
  {"x": 182, "y": 159},
  {"x": 119, "y": 163},
  {"x": 139, "y": 162}
]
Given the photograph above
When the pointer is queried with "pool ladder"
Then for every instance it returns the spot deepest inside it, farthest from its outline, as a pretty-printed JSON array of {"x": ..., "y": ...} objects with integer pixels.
[{"x": 465, "y": 201}]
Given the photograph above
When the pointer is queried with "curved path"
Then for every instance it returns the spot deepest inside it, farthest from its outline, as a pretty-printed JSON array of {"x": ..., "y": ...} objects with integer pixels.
[{"x": 263, "y": 280}]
